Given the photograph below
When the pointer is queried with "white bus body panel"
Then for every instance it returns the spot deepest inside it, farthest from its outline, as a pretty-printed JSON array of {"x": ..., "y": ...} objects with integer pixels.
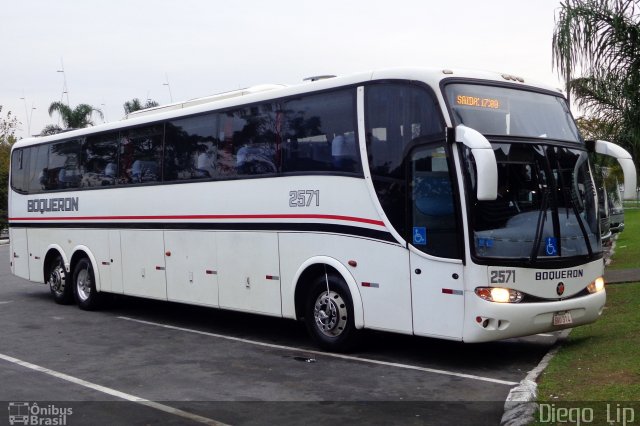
[
  {"x": 543, "y": 282},
  {"x": 250, "y": 273},
  {"x": 143, "y": 264},
  {"x": 38, "y": 241},
  {"x": 115, "y": 259},
  {"x": 192, "y": 266},
  {"x": 106, "y": 250},
  {"x": 19, "y": 252}
]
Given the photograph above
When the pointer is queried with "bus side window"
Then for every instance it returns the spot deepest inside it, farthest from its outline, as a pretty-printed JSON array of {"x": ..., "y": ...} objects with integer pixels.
[
  {"x": 254, "y": 139},
  {"x": 39, "y": 175},
  {"x": 226, "y": 152},
  {"x": 433, "y": 210},
  {"x": 191, "y": 148},
  {"x": 99, "y": 160},
  {"x": 319, "y": 133},
  {"x": 20, "y": 169},
  {"x": 397, "y": 114},
  {"x": 141, "y": 155},
  {"x": 64, "y": 165}
]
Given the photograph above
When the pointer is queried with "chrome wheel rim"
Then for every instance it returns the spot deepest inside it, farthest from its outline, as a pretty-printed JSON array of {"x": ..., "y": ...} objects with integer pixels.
[
  {"x": 330, "y": 314},
  {"x": 58, "y": 280},
  {"x": 83, "y": 284}
]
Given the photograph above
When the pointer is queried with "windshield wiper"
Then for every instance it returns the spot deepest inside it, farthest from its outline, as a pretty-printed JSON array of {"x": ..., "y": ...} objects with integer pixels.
[{"x": 542, "y": 217}]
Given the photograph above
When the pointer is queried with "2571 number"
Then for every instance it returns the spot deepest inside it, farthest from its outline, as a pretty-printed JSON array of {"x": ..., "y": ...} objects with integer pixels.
[
  {"x": 304, "y": 198},
  {"x": 503, "y": 277}
]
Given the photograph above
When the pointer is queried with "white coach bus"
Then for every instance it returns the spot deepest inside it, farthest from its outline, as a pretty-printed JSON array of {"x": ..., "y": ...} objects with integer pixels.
[{"x": 438, "y": 203}]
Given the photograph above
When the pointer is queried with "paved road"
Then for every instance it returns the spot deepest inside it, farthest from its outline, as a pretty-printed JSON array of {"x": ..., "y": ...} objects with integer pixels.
[{"x": 147, "y": 362}]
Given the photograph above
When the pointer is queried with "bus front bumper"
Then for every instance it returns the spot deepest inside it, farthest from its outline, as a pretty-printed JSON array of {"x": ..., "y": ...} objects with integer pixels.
[{"x": 489, "y": 321}]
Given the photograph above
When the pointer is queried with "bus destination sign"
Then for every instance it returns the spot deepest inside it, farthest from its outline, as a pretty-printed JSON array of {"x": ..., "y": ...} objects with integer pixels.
[{"x": 479, "y": 102}]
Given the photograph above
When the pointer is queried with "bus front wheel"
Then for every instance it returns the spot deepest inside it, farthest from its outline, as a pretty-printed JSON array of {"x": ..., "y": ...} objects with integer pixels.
[
  {"x": 58, "y": 282},
  {"x": 329, "y": 314},
  {"x": 84, "y": 285}
]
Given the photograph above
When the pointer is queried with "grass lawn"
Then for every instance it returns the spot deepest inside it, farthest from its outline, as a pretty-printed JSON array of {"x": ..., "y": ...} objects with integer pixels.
[
  {"x": 596, "y": 373},
  {"x": 600, "y": 361},
  {"x": 627, "y": 251}
]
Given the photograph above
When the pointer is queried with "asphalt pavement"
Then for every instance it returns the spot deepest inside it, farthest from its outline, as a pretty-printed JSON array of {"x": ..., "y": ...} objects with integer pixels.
[
  {"x": 619, "y": 276},
  {"x": 148, "y": 362}
]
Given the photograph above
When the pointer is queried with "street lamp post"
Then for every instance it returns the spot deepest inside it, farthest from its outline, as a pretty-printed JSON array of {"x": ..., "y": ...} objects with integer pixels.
[
  {"x": 28, "y": 114},
  {"x": 168, "y": 87},
  {"x": 65, "y": 89}
]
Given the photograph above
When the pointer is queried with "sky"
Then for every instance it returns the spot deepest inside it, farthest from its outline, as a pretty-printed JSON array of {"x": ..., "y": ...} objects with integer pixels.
[{"x": 116, "y": 50}]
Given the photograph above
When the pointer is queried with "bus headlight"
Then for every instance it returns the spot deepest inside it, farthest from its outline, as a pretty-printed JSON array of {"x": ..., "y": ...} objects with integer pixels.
[
  {"x": 499, "y": 295},
  {"x": 596, "y": 285}
]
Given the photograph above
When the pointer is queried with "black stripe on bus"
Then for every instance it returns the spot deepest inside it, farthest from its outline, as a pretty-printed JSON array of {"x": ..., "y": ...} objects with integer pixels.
[{"x": 239, "y": 226}]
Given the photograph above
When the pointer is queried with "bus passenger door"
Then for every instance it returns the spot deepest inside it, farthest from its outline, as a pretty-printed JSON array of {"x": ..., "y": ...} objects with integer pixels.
[
  {"x": 435, "y": 244},
  {"x": 249, "y": 274},
  {"x": 437, "y": 297},
  {"x": 192, "y": 267}
]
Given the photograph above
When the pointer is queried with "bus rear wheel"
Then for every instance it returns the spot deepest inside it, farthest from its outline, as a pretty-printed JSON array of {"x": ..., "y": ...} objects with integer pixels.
[
  {"x": 84, "y": 286},
  {"x": 58, "y": 283},
  {"x": 329, "y": 314}
]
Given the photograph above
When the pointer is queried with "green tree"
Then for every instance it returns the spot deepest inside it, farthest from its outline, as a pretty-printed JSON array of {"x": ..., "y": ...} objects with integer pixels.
[
  {"x": 135, "y": 105},
  {"x": 600, "y": 40},
  {"x": 8, "y": 126},
  {"x": 593, "y": 129},
  {"x": 75, "y": 118},
  {"x": 51, "y": 129}
]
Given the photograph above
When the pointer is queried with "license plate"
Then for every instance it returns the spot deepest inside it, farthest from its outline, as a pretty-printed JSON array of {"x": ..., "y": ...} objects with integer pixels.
[{"x": 562, "y": 318}]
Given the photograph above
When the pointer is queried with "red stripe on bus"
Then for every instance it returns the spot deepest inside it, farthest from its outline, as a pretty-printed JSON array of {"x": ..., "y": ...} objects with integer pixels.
[{"x": 217, "y": 217}]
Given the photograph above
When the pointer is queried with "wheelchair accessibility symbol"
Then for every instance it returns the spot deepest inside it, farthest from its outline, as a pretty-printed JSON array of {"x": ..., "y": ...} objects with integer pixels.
[
  {"x": 551, "y": 246},
  {"x": 419, "y": 236}
]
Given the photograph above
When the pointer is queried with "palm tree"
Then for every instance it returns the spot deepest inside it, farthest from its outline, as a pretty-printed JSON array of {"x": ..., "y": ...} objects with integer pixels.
[
  {"x": 76, "y": 118},
  {"x": 600, "y": 39},
  {"x": 51, "y": 129},
  {"x": 136, "y": 105}
]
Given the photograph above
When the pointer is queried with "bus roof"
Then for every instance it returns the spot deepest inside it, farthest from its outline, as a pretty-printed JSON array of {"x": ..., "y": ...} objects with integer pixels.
[
  {"x": 205, "y": 100},
  {"x": 431, "y": 76}
]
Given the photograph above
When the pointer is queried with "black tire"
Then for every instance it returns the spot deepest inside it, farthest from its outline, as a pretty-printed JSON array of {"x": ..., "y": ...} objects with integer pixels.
[
  {"x": 331, "y": 324},
  {"x": 84, "y": 286},
  {"x": 59, "y": 282}
]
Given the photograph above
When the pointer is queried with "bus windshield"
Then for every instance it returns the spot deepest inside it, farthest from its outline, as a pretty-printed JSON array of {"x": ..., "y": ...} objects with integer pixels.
[
  {"x": 546, "y": 206},
  {"x": 501, "y": 111}
]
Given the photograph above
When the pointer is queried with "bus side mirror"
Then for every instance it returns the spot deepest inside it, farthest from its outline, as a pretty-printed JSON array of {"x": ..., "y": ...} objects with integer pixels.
[
  {"x": 625, "y": 160},
  {"x": 486, "y": 165}
]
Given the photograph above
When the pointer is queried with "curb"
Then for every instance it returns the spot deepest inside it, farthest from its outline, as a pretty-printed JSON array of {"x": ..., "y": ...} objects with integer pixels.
[
  {"x": 611, "y": 251},
  {"x": 521, "y": 405},
  {"x": 3, "y": 242}
]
